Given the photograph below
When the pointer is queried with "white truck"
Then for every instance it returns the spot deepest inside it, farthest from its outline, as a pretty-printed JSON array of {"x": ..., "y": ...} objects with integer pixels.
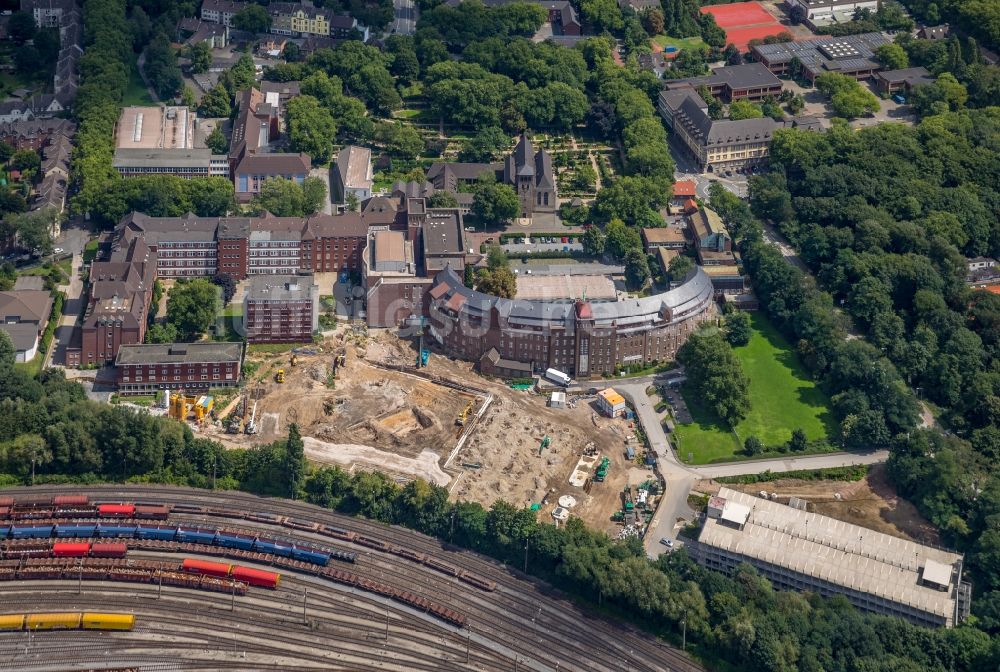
[{"x": 557, "y": 377}]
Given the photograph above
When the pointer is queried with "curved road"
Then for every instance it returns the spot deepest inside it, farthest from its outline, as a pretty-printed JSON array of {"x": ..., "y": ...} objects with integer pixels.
[{"x": 680, "y": 478}]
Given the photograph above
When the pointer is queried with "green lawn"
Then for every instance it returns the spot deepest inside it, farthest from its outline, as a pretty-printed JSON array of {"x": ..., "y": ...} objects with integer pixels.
[
  {"x": 90, "y": 251},
  {"x": 136, "y": 93},
  {"x": 679, "y": 42},
  {"x": 782, "y": 398}
]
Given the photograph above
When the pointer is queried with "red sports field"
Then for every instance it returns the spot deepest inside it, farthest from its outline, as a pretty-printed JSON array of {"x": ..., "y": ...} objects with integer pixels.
[{"x": 744, "y": 21}]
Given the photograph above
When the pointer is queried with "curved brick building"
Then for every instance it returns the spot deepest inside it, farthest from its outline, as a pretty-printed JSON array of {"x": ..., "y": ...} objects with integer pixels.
[{"x": 510, "y": 337}]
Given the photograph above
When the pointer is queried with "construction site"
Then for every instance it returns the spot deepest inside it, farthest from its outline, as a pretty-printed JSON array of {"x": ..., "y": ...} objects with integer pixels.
[{"x": 369, "y": 401}]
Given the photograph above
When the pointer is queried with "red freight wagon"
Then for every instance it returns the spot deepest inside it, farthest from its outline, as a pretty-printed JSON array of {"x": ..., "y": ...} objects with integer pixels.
[
  {"x": 70, "y": 500},
  {"x": 108, "y": 550},
  {"x": 203, "y": 567},
  {"x": 152, "y": 512},
  {"x": 6, "y": 501},
  {"x": 256, "y": 577},
  {"x": 116, "y": 510},
  {"x": 70, "y": 550}
]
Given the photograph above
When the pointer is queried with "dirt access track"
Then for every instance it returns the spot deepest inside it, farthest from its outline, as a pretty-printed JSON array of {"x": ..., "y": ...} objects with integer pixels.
[
  {"x": 870, "y": 502},
  {"x": 371, "y": 417}
]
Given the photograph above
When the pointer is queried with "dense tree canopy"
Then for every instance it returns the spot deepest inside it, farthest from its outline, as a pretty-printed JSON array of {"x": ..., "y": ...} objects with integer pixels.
[
  {"x": 192, "y": 306},
  {"x": 885, "y": 217},
  {"x": 287, "y": 198},
  {"x": 715, "y": 375}
]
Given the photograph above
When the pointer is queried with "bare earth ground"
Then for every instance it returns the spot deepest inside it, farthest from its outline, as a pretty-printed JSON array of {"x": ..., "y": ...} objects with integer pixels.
[
  {"x": 870, "y": 502},
  {"x": 373, "y": 418}
]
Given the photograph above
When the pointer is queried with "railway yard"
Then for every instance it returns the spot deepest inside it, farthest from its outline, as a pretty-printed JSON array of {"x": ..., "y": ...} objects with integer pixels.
[
  {"x": 380, "y": 413},
  {"x": 201, "y": 577}
]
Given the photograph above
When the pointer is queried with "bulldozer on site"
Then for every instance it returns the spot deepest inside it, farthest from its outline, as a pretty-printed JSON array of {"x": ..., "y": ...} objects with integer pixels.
[{"x": 279, "y": 377}]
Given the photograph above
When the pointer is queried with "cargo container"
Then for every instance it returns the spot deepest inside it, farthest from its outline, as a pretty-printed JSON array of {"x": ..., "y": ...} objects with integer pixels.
[
  {"x": 53, "y": 621},
  {"x": 98, "y": 621},
  {"x": 256, "y": 577},
  {"x": 204, "y": 567},
  {"x": 70, "y": 550}
]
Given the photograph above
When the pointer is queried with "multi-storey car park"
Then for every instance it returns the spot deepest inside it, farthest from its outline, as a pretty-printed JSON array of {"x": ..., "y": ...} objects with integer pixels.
[
  {"x": 798, "y": 550},
  {"x": 512, "y": 337}
]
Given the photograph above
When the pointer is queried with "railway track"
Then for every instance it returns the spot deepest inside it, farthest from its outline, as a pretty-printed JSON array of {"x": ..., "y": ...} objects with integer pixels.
[{"x": 524, "y": 620}]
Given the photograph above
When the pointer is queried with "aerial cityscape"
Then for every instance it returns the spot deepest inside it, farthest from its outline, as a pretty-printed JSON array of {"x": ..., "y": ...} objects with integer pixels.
[{"x": 499, "y": 335}]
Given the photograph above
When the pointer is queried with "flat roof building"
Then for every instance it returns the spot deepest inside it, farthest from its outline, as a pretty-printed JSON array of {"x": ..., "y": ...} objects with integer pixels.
[
  {"x": 891, "y": 81},
  {"x": 155, "y": 127},
  {"x": 851, "y": 55},
  {"x": 178, "y": 366},
  {"x": 798, "y": 550},
  {"x": 281, "y": 309},
  {"x": 610, "y": 402},
  {"x": 565, "y": 288},
  {"x": 749, "y": 81}
]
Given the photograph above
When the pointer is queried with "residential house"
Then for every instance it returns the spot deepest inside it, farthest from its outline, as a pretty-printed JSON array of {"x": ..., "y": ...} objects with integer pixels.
[
  {"x": 297, "y": 19},
  {"x": 708, "y": 232},
  {"x": 35, "y": 134},
  {"x": 24, "y": 315},
  {"x": 563, "y": 17},
  {"x": 934, "y": 32},
  {"x": 981, "y": 270},
  {"x": 255, "y": 169},
  {"x": 683, "y": 191},
  {"x": 352, "y": 174},
  {"x": 191, "y": 31},
  {"x": 220, "y": 11}
]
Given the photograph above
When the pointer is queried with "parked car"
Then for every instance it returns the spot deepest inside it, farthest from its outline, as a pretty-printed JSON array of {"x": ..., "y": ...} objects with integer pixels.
[{"x": 666, "y": 541}]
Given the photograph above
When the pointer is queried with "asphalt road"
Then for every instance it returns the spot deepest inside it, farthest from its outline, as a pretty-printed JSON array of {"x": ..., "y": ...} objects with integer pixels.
[{"x": 407, "y": 14}]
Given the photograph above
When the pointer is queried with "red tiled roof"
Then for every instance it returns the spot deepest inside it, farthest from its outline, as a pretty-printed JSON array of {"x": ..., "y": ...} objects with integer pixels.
[{"x": 684, "y": 188}]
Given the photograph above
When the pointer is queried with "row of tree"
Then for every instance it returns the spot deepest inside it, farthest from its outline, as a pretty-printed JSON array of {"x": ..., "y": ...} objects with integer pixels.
[{"x": 739, "y": 621}]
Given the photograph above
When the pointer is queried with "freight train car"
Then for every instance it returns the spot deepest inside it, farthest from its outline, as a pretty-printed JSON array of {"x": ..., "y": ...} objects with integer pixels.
[
  {"x": 98, "y": 621},
  {"x": 67, "y": 621},
  {"x": 253, "y": 577}
]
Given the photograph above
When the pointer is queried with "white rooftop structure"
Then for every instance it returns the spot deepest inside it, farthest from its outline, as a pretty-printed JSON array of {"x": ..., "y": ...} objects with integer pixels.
[{"x": 876, "y": 571}]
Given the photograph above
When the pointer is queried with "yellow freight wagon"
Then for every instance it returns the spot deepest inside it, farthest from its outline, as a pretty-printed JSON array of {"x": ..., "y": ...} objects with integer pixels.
[
  {"x": 53, "y": 621},
  {"x": 11, "y": 621},
  {"x": 95, "y": 621}
]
